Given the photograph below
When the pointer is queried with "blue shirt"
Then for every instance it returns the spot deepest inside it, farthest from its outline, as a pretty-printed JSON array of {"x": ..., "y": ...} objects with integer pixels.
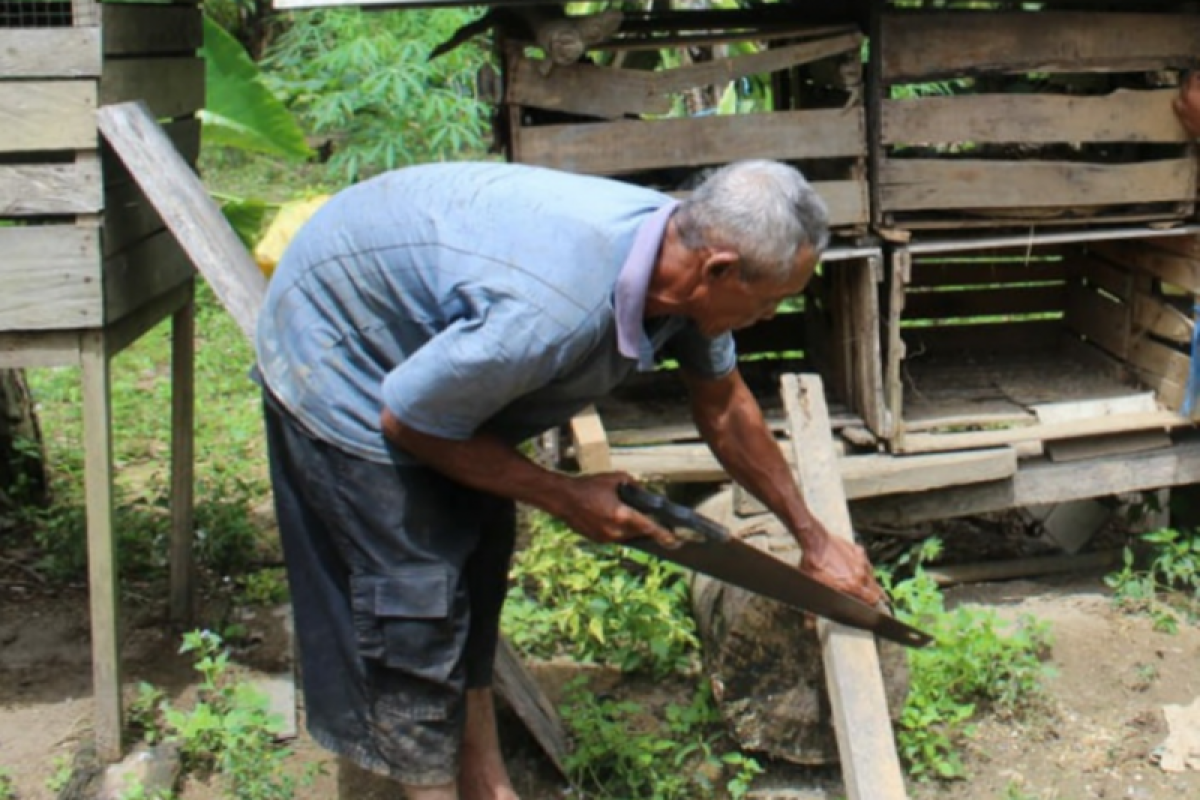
[{"x": 468, "y": 298}]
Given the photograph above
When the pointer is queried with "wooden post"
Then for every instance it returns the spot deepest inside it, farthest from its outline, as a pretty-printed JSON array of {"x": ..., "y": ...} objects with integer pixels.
[
  {"x": 592, "y": 451},
  {"x": 183, "y": 357},
  {"x": 102, "y": 556},
  {"x": 870, "y": 767}
]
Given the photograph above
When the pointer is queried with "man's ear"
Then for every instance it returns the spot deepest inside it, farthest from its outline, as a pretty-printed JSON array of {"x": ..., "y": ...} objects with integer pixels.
[{"x": 719, "y": 264}]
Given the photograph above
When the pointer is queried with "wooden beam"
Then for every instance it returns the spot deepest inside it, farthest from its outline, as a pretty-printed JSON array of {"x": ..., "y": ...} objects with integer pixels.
[
  {"x": 49, "y": 53},
  {"x": 924, "y": 184},
  {"x": 612, "y": 148},
  {"x": 1124, "y": 116},
  {"x": 592, "y": 451},
  {"x": 867, "y": 748},
  {"x": 919, "y": 47},
  {"x": 186, "y": 207},
  {"x": 1040, "y": 482},
  {"x": 183, "y": 437},
  {"x": 530, "y": 704}
]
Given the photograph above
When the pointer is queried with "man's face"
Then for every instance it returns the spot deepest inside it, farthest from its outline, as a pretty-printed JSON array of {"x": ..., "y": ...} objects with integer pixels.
[{"x": 733, "y": 303}]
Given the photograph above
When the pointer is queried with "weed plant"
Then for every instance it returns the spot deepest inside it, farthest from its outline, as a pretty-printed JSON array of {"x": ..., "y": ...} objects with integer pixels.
[
  {"x": 1164, "y": 581},
  {"x": 7, "y": 790},
  {"x": 978, "y": 661}
]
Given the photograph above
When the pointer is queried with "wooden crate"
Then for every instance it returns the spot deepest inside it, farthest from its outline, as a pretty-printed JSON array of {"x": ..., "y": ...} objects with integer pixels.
[
  {"x": 1030, "y": 118},
  {"x": 82, "y": 247},
  {"x": 613, "y": 118},
  {"x": 1026, "y": 342}
]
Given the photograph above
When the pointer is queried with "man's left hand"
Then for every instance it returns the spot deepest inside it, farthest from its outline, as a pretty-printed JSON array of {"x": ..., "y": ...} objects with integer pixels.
[{"x": 842, "y": 565}]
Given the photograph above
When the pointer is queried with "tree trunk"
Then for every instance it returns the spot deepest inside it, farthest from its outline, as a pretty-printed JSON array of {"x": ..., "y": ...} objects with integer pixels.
[
  {"x": 22, "y": 463},
  {"x": 764, "y": 659}
]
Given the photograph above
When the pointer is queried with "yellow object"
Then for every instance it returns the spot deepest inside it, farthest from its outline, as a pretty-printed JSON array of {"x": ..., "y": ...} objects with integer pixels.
[{"x": 279, "y": 234}]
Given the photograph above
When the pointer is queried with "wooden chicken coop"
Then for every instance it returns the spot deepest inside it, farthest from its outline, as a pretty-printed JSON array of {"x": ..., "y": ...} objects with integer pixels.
[{"x": 87, "y": 266}]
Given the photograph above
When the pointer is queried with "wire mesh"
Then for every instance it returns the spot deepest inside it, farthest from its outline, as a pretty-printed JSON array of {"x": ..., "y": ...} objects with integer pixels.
[{"x": 48, "y": 13}]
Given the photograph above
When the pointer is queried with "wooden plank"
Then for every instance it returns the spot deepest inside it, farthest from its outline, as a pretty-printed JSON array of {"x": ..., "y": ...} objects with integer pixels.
[
  {"x": 1051, "y": 413},
  {"x": 934, "y": 442},
  {"x": 101, "y": 544},
  {"x": 613, "y": 148},
  {"x": 1037, "y": 483},
  {"x": 878, "y": 474},
  {"x": 142, "y": 272},
  {"x": 1173, "y": 268},
  {"x": 46, "y": 189},
  {"x": 1157, "y": 359},
  {"x": 1181, "y": 245},
  {"x": 846, "y": 201},
  {"x": 185, "y": 135},
  {"x": 982, "y": 338},
  {"x": 49, "y": 52},
  {"x": 144, "y": 29},
  {"x": 183, "y": 403},
  {"x": 187, "y": 208},
  {"x": 47, "y": 115},
  {"x": 866, "y": 346},
  {"x": 1153, "y": 315},
  {"x": 960, "y": 303},
  {"x": 1112, "y": 445},
  {"x": 170, "y": 87},
  {"x": 19, "y": 349},
  {"x": 924, "y": 184},
  {"x": 1101, "y": 321},
  {"x": 866, "y": 746},
  {"x": 1123, "y": 116},
  {"x": 517, "y": 686},
  {"x": 1098, "y": 274},
  {"x": 926, "y": 46},
  {"x": 591, "y": 444},
  {"x": 51, "y": 278},
  {"x": 986, "y": 271}
]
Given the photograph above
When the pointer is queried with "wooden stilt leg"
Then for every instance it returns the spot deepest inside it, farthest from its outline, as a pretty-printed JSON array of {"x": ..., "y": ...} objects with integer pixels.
[{"x": 183, "y": 587}]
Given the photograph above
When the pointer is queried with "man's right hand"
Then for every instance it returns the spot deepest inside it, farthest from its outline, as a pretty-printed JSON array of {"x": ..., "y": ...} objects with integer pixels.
[{"x": 590, "y": 506}]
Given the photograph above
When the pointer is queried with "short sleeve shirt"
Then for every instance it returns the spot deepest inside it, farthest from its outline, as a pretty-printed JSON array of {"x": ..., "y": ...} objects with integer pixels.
[{"x": 466, "y": 298}]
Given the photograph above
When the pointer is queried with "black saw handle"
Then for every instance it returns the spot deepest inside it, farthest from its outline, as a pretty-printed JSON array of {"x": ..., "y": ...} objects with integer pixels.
[{"x": 671, "y": 515}]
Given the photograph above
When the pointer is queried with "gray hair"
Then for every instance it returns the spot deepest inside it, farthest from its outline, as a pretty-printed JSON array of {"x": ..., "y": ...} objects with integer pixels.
[{"x": 765, "y": 210}]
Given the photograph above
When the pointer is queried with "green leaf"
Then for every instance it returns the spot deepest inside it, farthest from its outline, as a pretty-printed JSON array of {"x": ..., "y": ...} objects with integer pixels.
[
  {"x": 246, "y": 217},
  {"x": 241, "y": 112}
]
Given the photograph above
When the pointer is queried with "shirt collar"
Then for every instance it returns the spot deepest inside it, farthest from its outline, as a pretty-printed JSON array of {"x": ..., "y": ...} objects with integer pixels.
[{"x": 629, "y": 299}]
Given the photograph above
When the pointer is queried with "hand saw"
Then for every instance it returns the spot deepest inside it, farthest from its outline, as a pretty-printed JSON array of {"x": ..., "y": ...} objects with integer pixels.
[{"x": 715, "y": 552}]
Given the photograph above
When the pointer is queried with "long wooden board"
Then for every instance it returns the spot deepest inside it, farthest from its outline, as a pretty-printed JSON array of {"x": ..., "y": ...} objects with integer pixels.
[
  {"x": 1180, "y": 270},
  {"x": 985, "y": 302},
  {"x": 1124, "y": 116},
  {"x": 924, "y": 184},
  {"x": 144, "y": 29},
  {"x": 866, "y": 746},
  {"x": 47, "y": 115},
  {"x": 40, "y": 189},
  {"x": 919, "y": 47},
  {"x": 171, "y": 87},
  {"x": 51, "y": 278},
  {"x": 935, "y": 442},
  {"x": 613, "y": 148},
  {"x": 49, "y": 52}
]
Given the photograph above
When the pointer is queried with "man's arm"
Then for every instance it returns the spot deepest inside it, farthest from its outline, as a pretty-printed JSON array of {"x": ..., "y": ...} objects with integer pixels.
[
  {"x": 731, "y": 422},
  {"x": 589, "y": 505}
]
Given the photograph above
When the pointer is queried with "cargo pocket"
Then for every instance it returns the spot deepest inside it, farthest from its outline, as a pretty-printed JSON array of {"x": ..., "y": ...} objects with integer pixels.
[{"x": 403, "y": 620}]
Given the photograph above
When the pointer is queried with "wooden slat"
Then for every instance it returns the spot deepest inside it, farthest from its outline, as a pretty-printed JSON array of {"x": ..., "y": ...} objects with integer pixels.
[
  {"x": 986, "y": 271},
  {"x": 171, "y": 87},
  {"x": 1181, "y": 245},
  {"x": 50, "y": 277},
  {"x": 144, "y": 29},
  {"x": 934, "y": 442},
  {"x": 984, "y": 337},
  {"x": 1153, "y": 315},
  {"x": 630, "y": 145},
  {"x": 1153, "y": 358},
  {"x": 924, "y": 46},
  {"x": 1104, "y": 322},
  {"x": 866, "y": 344},
  {"x": 49, "y": 52},
  {"x": 1114, "y": 279},
  {"x": 1170, "y": 267},
  {"x": 185, "y": 135},
  {"x": 1124, "y": 116},
  {"x": 846, "y": 201},
  {"x": 47, "y": 115},
  {"x": 592, "y": 451},
  {"x": 50, "y": 189},
  {"x": 143, "y": 272},
  {"x": 187, "y": 208},
  {"x": 866, "y": 746},
  {"x": 985, "y": 302},
  {"x": 923, "y": 184}
]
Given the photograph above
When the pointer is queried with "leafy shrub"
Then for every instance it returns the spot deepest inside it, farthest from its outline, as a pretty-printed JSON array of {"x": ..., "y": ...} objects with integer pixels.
[{"x": 1167, "y": 585}]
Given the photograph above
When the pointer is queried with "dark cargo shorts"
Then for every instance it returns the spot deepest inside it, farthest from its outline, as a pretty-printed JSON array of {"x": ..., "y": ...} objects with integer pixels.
[{"x": 397, "y": 577}]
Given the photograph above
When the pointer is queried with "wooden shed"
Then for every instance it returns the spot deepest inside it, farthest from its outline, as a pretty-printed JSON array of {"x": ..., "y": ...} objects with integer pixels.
[{"x": 87, "y": 265}]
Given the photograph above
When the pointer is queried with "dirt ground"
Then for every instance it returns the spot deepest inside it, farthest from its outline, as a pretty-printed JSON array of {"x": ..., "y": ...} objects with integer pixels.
[{"x": 1099, "y": 736}]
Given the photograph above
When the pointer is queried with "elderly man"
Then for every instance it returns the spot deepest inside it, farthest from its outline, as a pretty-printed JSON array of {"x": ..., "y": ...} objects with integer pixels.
[{"x": 423, "y": 325}]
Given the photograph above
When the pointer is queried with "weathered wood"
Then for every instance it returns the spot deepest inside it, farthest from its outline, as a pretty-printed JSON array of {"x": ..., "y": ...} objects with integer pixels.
[
  {"x": 1182, "y": 245},
  {"x": 43, "y": 189},
  {"x": 934, "y": 442},
  {"x": 1173, "y": 268},
  {"x": 1124, "y": 116},
  {"x": 102, "y": 565},
  {"x": 923, "y": 184},
  {"x": 47, "y": 115},
  {"x": 985, "y": 302},
  {"x": 1157, "y": 359},
  {"x": 144, "y": 29},
  {"x": 49, "y": 52},
  {"x": 867, "y": 749},
  {"x": 592, "y": 451},
  {"x": 1061, "y": 412},
  {"x": 170, "y": 87},
  {"x": 1022, "y": 568},
  {"x": 51, "y": 279},
  {"x": 865, "y": 343},
  {"x": 1107, "y": 445},
  {"x": 39, "y": 349},
  {"x": 920, "y": 47},
  {"x": 518, "y": 688},
  {"x": 188, "y": 210},
  {"x": 1102, "y": 321},
  {"x": 183, "y": 402},
  {"x": 846, "y": 201},
  {"x": 1040, "y": 482},
  {"x": 144, "y": 271},
  {"x": 613, "y": 148},
  {"x": 185, "y": 135},
  {"x": 1111, "y": 278},
  {"x": 986, "y": 271},
  {"x": 1153, "y": 315}
]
